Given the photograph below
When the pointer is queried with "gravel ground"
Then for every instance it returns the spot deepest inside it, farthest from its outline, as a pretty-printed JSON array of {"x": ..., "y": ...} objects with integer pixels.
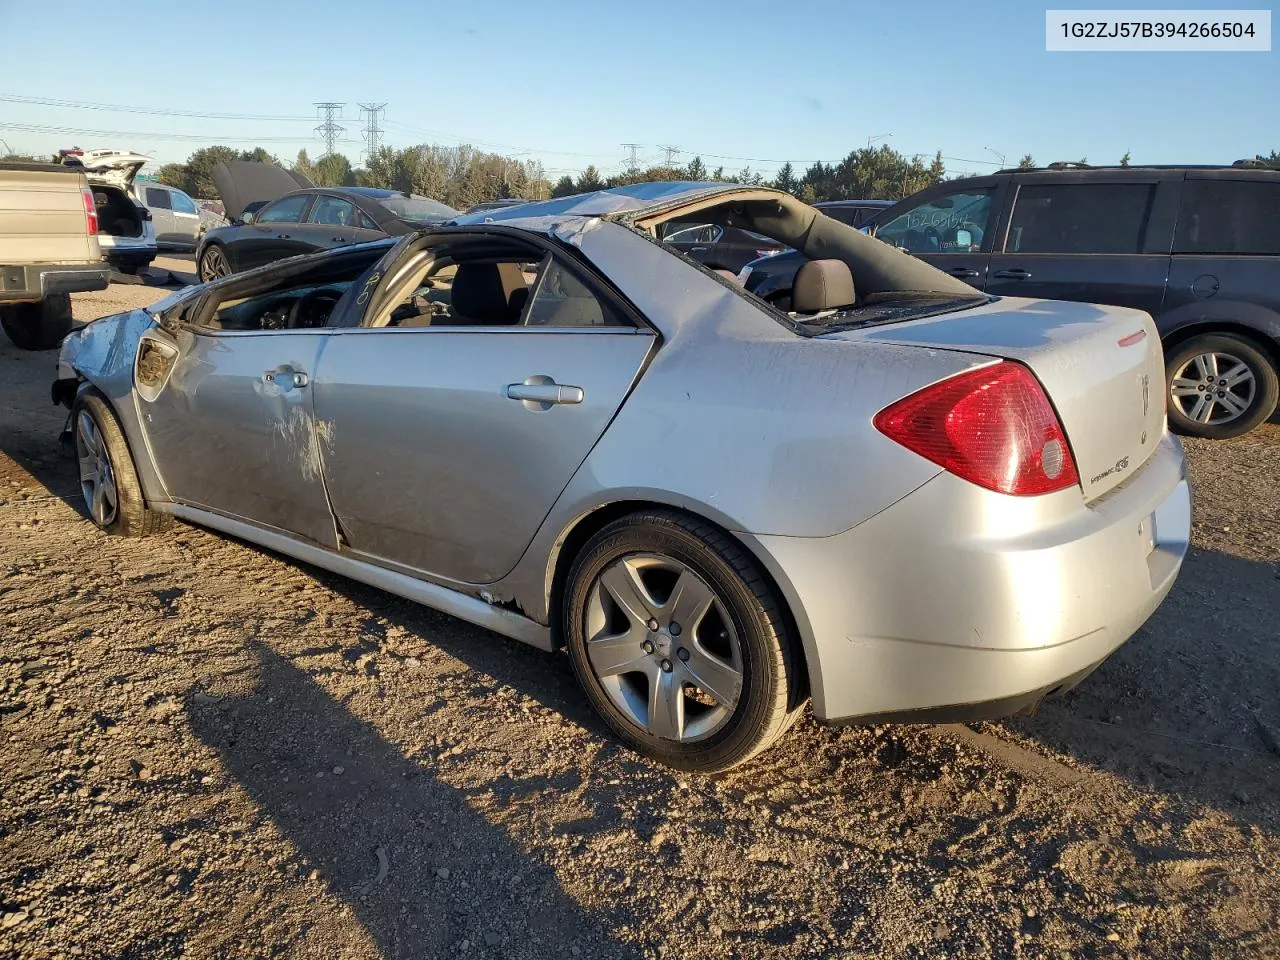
[{"x": 209, "y": 751}]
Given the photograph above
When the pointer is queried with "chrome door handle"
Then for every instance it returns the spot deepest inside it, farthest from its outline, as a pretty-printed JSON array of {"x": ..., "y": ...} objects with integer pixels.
[
  {"x": 286, "y": 377},
  {"x": 540, "y": 393}
]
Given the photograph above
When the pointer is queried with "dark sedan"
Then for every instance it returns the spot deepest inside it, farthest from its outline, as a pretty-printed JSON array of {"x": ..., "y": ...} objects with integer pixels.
[
  {"x": 296, "y": 221},
  {"x": 717, "y": 247}
]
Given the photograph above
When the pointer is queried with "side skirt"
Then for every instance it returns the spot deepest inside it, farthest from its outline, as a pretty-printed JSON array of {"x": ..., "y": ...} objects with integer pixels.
[{"x": 460, "y": 605}]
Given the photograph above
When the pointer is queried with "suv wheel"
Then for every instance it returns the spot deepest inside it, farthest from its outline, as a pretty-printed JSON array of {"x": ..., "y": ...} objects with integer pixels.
[
  {"x": 1219, "y": 386},
  {"x": 37, "y": 326}
]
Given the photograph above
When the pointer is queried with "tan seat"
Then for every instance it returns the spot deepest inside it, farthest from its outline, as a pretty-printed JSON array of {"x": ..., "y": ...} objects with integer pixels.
[{"x": 822, "y": 285}]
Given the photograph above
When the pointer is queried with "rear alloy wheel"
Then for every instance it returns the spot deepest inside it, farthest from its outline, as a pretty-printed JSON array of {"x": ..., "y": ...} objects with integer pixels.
[
  {"x": 1219, "y": 386},
  {"x": 108, "y": 482},
  {"x": 213, "y": 264},
  {"x": 37, "y": 326},
  {"x": 679, "y": 642}
]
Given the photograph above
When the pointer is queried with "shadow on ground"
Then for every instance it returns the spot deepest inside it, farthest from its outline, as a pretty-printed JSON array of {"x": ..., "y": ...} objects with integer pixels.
[{"x": 403, "y": 849}]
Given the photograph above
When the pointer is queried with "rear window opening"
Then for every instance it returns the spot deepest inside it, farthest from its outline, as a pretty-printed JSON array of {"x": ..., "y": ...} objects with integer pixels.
[
  {"x": 118, "y": 215},
  {"x": 853, "y": 279}
]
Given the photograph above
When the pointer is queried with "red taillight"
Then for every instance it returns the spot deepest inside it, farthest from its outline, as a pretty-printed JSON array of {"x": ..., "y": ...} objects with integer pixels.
[
  {"x": 993, "y": 426},
  {"x": 90, "y": 213}
]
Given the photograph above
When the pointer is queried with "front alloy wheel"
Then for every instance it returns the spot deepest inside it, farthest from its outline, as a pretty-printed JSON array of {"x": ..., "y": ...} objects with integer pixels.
[
  {"x": 213, "y": 264},
  {"x": 97, "y": 479}
]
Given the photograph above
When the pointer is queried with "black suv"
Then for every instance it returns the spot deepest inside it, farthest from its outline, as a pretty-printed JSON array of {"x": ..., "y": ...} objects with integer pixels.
[{"x": 1196, "y": 247}]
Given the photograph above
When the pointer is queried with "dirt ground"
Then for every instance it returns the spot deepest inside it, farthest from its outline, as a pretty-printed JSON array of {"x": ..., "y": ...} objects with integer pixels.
[{"x": 209, "y": 751}]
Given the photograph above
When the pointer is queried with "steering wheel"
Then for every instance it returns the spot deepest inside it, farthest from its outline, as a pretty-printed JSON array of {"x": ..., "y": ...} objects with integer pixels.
[{"x": 312, "y": 310}]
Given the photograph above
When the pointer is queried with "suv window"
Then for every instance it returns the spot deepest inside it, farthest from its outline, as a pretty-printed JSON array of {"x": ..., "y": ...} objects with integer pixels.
[
  {"x": 562, "y": 300},
  {"x": 158, "y": 198},
  {"x": 288, "y": 210},
  {"x": 1229, "y": 216},
  {"x": 333, "y": 211},
  {"x": 1079, "y": 218},
  {"x": 952, "y": 223},
  {"x": 182, "y": 203}
]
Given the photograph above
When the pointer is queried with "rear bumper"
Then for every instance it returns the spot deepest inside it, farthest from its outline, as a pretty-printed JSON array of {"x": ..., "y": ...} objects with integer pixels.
[
  {"x": 957, "y": 603},
  {"x": 129, "y": 256},
  {"x": 28, "y": 282}
]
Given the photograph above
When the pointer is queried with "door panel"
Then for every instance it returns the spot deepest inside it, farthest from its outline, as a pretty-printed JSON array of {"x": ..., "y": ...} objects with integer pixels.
[
  {"x": 227, "y": 437},
  {"x": 430, "y": 463}
]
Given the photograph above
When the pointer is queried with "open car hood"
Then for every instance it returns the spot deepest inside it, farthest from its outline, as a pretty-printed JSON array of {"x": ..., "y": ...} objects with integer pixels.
[
  {"x": 242, "y": 182},
  {"x": 114, "y": 168}
]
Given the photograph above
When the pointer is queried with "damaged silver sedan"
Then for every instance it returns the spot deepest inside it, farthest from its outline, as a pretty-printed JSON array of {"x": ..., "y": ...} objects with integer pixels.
[{"x": 903, "y": 500}]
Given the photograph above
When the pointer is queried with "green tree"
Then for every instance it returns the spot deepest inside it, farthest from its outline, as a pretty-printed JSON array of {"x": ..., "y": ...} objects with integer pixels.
[
  {"x": 564, "y": 187},
  {"x": 304, "y": 166},
  {"x": 260, "y": 155},
  {"x": 1124, "y": 161},
  {"x": 589, "y": 180},
  {"x": 785, "y": 179},
  {"x": 1026, "y": 163},
  {"x": 199, "y": 179},
  {"x": 696, "y": 170},
  {"x": 173, "y": 174},
  {"x": 334, "y": 170}
]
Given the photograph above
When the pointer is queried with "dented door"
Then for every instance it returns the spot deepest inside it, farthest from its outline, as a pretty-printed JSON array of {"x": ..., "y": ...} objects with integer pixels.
[{"x": 228, "y": 419}]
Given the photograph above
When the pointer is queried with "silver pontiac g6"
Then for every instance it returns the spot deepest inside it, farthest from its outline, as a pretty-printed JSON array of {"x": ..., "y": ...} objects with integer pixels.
[{"x": 902, "y": 500}]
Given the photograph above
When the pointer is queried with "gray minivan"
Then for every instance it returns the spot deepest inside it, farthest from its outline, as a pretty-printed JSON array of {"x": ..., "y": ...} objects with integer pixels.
[{"x": 176, "y": 215}]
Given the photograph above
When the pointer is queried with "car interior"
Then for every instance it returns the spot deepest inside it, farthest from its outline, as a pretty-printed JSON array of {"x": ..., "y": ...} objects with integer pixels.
[
  {"x": 849, "y": 277},
  {"x": 118, "y": 214},
  {"x": 491, "y": 281}
]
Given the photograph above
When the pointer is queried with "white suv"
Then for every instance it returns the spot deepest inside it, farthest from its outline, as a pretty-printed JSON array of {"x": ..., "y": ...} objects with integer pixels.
[{"x": 126, "y": 232}]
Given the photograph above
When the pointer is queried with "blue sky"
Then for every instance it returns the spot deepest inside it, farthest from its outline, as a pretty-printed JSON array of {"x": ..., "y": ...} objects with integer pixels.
[{"x": 568, "y": 82}]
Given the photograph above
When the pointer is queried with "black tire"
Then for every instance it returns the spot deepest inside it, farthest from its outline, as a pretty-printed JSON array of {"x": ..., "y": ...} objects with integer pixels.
[
  {"x": 130, "y": 516},
  {"x": 206, "y": 268},
  {"x": 1180, "y": 364},
  {"x": 37, "y": 326},
  {"x": 772, "y": 688}
]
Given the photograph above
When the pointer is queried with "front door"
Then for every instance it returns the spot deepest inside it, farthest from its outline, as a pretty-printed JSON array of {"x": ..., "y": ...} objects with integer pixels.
[
  {"x": 232, "y": 428},
  {"x": 273, "y": 233},
  {"x": 158, "y": 202},
  {"x": 950, "y": 228},
  {"x": 1101, "y": 239},
  {"x": 448, "y": 445}
]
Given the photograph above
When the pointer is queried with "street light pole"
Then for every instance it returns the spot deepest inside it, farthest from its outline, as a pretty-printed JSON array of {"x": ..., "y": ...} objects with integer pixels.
[
  {"x": 878, "y": 136},
  {"x": 997, "y": 154}
]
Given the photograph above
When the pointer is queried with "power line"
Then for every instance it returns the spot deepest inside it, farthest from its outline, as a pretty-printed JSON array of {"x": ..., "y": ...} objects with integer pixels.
[
  {"x": 155, "y": 111},
  {"x": 328, "y": 129},
  {"x": 372, "y": 111},
  {"x": 146, "y": 135},
  {"x": 670, "y": 150}
]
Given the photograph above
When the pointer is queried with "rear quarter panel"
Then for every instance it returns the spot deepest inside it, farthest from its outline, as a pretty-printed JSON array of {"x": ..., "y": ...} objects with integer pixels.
[{"x": 42, "y": 218}]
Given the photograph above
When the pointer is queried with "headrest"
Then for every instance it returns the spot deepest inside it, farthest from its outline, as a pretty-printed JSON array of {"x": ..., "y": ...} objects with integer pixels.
[
  {"x": 486, "y": 293},
  {"x": 822, "y": 285}
]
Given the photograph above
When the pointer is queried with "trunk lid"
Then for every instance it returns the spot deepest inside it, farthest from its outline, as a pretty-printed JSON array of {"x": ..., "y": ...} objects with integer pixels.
[
  {"x": 112, "y": 168},
  {"x": 1102, "y": 367}
]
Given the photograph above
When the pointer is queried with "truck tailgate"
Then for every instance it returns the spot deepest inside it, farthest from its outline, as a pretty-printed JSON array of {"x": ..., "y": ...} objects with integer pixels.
[{"x": 42, "y": 216}]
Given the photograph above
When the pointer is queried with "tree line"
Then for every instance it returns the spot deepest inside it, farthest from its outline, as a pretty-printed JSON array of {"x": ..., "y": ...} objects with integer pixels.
[{"x": 463, "y": 175}]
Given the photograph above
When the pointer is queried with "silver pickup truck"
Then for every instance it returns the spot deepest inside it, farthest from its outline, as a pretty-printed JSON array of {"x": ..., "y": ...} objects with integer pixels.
[{"x": 48, "y": 250}]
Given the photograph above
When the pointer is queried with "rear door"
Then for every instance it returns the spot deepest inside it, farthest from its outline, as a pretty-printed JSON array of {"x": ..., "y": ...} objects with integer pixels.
[
  {"x": 951, "y": 226},
  {"x": 274, "y": 233},
  {"x": 1097, "y": 238},
  {"x": 1226, "y": 255},
  {"x": 446, "y": 446},
  {"x": 186, "y": 219}
]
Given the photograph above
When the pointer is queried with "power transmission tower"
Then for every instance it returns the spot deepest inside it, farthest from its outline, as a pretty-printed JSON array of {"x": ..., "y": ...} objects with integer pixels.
[
  {"x": 372, "y": 111},
  {"x": 633, "y": 158},
  {"x": 329, "y": 130},
  {"x": 670, "y": 150}
]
